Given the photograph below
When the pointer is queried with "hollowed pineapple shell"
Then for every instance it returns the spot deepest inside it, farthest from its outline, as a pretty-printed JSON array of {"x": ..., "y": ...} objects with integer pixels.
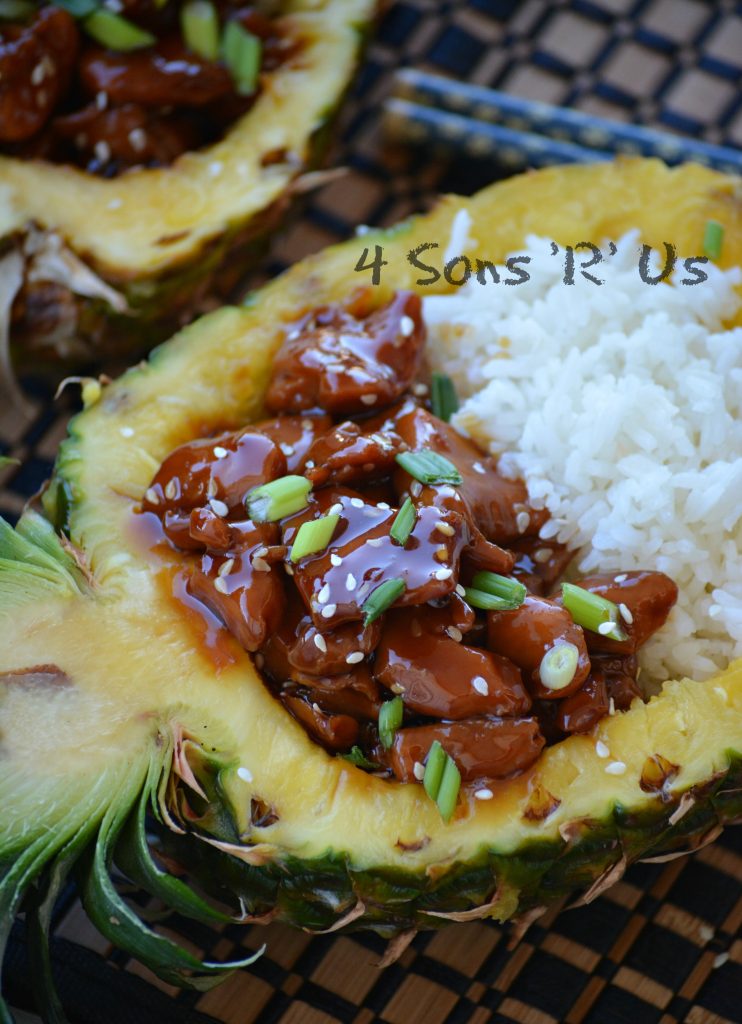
[
  {"x": 128, "y": 706},
  {"x": 166, "y": 239}
]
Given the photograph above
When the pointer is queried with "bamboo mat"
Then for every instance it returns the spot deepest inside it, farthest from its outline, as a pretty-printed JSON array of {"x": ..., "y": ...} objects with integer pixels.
[{"x": 664, "y": 944}]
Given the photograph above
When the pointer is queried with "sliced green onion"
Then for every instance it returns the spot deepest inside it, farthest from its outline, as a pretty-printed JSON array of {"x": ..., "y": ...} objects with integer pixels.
[
  {"x": 199, "y": 24},
  {"x": 429, "y": 467},
  {"x": 391, "y": 713},
  {"x": 313, "y": 536},
  {"x": 404, "y": 522},
  {"x": 277, "y": 499},
  {"x": 443, "y": 398},
  {"x": 16, "y": 10},
  {"x": 115, "y": 32},
  {"x": 434, "y": 766},
  {"x": 359, "y": 759},
  {"x": 382, "y": 598},
  {"x": 7, "y": 460},
  {"x": 713, "y": 238},
  {"x": 500, "y": 586},
  {"x": 448, "y": 793},
  {"x": 241, "y": 52},
  {"x": 593, "y": 612},
  {"x": 487, "y": 602},
  {"x": 558, "y": 666}
]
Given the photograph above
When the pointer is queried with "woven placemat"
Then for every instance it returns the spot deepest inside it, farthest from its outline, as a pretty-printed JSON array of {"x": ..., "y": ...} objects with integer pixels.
[{"x": 662, "y": 945}]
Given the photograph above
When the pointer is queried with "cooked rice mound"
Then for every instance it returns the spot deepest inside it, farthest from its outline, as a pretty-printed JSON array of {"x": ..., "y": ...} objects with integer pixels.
[{"x": 621, "y": 407}]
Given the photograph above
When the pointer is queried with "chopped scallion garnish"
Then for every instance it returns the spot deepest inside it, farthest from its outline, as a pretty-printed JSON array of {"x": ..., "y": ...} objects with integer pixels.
[
  {"x": 593, "y": 612},
  {"x": 429, "y": 467},
  {"x": 199, "y": 24},
  {"x": 357, "y": 757},
  {"x": 382, "y": 598},
  {"x": 404, "y": 522},
  {"x": 277, "y": 499},
  {"x": 115, "y": 32},
  {"x": 487, "y": 602},
  {"x": 313, "y": 536},
  {"x": 448, "y": 793},
  {"x": 500, "y": 586},
  {"x": 713, "y": 238},
  {"x": 241, "y": 52},
  {"x": 443, "y": 398},
  {"x": 434, "y": 766},
  {"x": 558, "y": 666},
  {"x": 391, "y": 713}
]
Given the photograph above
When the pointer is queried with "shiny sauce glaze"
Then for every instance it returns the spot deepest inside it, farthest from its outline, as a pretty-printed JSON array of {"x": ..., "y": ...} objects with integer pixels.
[
  {"x": 385, "y": 610},
  {"x": 66, "y": 97}
]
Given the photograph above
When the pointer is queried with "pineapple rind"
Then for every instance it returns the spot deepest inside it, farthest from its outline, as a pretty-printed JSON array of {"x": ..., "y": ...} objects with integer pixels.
[{"x": 347, "y": 849}]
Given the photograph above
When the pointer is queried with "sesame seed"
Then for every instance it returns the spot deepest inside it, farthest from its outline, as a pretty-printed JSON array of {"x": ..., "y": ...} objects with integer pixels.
[
  {"x": 397, "y": 688},
  {"x": 260, "y": 565},
  {"x": 522, "y": 521},
  {"x": 220, "y": 453},
  {"x": 601, "y": 749},
  {"x": 215, "y": 168},
  {"x": 625, "y": 614},
  {"x": 289, "y": 570},
  {"x": 261, "y": 551},
  {"x": 329, "y": 610},
  {"x": 287, "y": 449},
  {"x": 171, "y": 490},
  {"x": 461, "y": 591},
  {"x": 335, "y": 509},
  {"x": 218, "y": 507},
  {"x": 455, "y": 633},
  {"x": 152, "y": 496},
  {"x": 350, "y": 582},
  {"x": 384, "y": 505},
  {"x": 292, "y": 336},
  {"x": 706, "y": 933},
  {"x": 226, "y": 567},
  {"x": 101, "y": 100},
  {"x": 406, "y": 326},
  {"x": 611, "y": 706},
  {"x": 127, "y": 432},
  {"x": 419, "y": 389},
  {"x": 369, "y": 399},
  {"x": 245, "y": 774},
  {"x": 335, "y": 560},
  {"x": 316, "y": 707},
  {"x": 622, "y": 578},
  {"x": 102, "y": 151},
  {"x": 418, "y": 770},
  {"x": 483, "y": 794},
  {"x": 443, "y": 574},
  {"x": 138, "y": 139},
  {"x": 221, "y": 585},
  {"x": 445, "y": 528},
  {"x": 375, "y": 542},
  {"x": 211, "y": 487},
  {"x": 480, "y": 685},
  {"x": 320, "y": 643},
  {"x": 324, "y": 595},
  {"x": 721, "y": 692},
  {"x": 416, "y": 488},
  {"x": 478, "y": 468},
  {"x": 307, "y": 424},
  {"x": 615, "y": 768},
  {"x": 356, "y": 502},
  {"x": 355, "y": 657},
  {"x": 38, "y": 74},
  {"x": 441, "y": 553},
  {"x": 604, "y": 628},
  {"x": 542, "y": 555},
  {"x": 720, "y": 959},
  {"x": 309, "y": 464}
]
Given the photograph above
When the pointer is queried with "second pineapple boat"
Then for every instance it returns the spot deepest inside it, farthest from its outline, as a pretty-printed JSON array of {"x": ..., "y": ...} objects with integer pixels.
[{"x": 390, "y": 583}]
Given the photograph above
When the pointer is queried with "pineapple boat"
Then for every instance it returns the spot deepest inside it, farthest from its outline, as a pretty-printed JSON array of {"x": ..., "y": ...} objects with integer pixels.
[
  {"x": 144, "y": 153},
  {"x": 277, "y": 601}
]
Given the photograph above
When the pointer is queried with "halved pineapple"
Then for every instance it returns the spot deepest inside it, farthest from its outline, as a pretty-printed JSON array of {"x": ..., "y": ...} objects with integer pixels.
[
  {"x": 138, "y": 253},
  {"x": 115, "y": 699}
]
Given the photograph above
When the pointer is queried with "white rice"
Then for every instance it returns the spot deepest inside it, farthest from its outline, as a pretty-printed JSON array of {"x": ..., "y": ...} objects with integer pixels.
[{"x": 621, "y": 407}]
